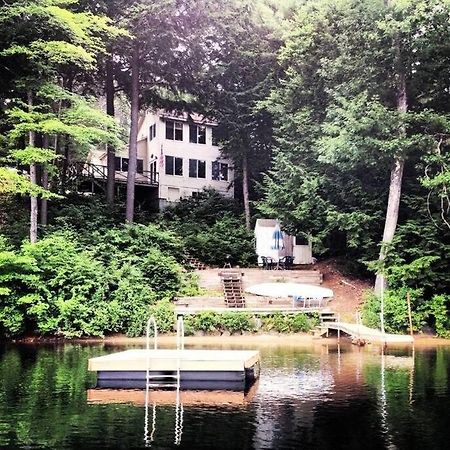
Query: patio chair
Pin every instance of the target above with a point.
(268, 263)
(286, 262)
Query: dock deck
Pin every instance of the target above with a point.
(199, 369)
(357, 331)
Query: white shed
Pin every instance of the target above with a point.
(265, 230)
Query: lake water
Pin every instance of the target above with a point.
(320, 397)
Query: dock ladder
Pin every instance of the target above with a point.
(163, 380)
(175, 378)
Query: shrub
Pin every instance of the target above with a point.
(163, 312)
(396, 319)
(236, 321)
(290, 323)
(135, 241)
(227, 236)
(436, 311)
(206, 321)
(18, 276)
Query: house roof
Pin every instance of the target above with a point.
(269, 223)
(187, 117)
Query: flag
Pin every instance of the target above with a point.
(161, 159)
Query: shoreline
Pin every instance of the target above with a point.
(263, 339)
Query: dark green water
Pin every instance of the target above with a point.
(318, 398)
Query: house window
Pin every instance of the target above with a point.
(215, 137)
(152, 132)
(219, 171)
(140, 166)
(121, 164)
(174, 130)
(174, 166)
(197, 168)
(197, 134)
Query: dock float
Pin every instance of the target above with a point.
(198, 369)
(358, 331)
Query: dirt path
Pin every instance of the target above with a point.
(348, 291)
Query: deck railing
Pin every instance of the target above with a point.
(80, 169)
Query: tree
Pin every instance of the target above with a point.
(72, 40)
(241, 77)
(345, 136)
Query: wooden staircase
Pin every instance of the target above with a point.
(192, 263)
(232, 289)
(326, 316)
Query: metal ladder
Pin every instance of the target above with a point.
(174, 378)
(148, 439)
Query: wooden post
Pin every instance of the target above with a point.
(339, 330)
(408, 301)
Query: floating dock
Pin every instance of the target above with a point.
(198, 369)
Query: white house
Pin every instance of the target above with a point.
(267, 245)
(177, 157)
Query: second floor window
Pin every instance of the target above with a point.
(219, 171)
(197, 134)
(152, 132)
(197, 168)
(174, 166)
(174, 130)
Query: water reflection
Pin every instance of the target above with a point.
(322, 397)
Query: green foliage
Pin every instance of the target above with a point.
(65, 286)
(163, 312)
(18, 276)
(436, 311)
(211, 229)
(289, 323)
(206, 321)
(396, 319)
(236, 321)
(226, 237)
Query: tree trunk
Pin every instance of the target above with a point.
(132, 149)
(65, 164)
(33, 180)
(44, 201)
(395, 186)
(111, 152)
(245, 190)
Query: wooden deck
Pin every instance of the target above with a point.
(356, 331)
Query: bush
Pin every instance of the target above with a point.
(18, 276)
(59, 286)
(236, 321)
(212, 228)
(396, 319)
(290, 323)
(437, 314)
(206, 321)
(163, 312)
(227, 236)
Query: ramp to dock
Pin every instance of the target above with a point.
(357, 331)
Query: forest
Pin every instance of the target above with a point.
(335, 113)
